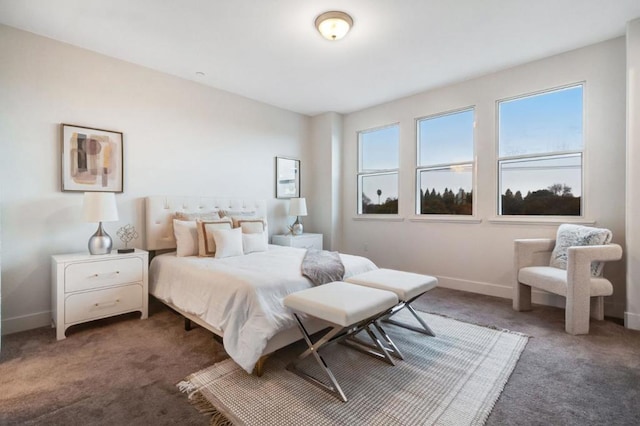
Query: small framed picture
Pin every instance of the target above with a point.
(92, 159)
(287, 178)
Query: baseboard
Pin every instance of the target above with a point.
(539, 297)
(26, 322)
(478, 287)
(499, 290)
(632, 320)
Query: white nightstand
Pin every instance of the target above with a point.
(87, 287)
(300, 241)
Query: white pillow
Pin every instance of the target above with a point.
(253, 243)
(228, 242)
(254, 226)
(186, 235)
(206, 243)
(569, 235)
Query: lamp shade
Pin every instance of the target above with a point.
(100, 207)
(298, 207)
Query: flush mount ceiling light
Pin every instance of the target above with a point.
(334, 25)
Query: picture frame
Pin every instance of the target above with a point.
(287, 177)
(92, 159)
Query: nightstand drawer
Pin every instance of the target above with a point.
(102, 303)
(103, 273)
(307, 243)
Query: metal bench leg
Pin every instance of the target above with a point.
(376, 350)
(313, 349)
(425, 328)
(393, 349)
(338, 334)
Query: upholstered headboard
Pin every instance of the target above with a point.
(160, 210)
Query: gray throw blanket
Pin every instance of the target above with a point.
(322, 266)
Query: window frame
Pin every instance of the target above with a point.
(542, 218)
(440, 166)
(377, 172)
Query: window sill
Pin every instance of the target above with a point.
(531, 220)
(446, 219)
(381, 217)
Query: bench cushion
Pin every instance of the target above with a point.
(341, 303)
(406, 285)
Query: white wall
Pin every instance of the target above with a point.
(179, 138)
(632, 314)
(475, 256)
(325, 152)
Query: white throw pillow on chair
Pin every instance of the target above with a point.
(578, 235)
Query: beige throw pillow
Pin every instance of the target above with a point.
(237, 219)
(205, 228)
(236, 215)
(250, 226)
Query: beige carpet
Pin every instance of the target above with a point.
(454, 378)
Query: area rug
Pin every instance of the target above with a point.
(454, 378)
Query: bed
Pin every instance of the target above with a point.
(238, 298)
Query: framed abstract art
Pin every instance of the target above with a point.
(92, 159)
(287, 178)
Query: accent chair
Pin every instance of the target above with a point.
(570, 266)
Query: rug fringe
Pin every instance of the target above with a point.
(187, 387)
(205, 407)
(492, 327)
(219, 420)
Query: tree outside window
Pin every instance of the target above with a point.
(445, 166)
(378, 170)
(541, 153)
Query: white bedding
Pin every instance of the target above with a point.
(242, 295)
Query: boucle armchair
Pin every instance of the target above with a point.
(576, 283)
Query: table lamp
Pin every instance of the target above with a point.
(100, 207)
(297, 208)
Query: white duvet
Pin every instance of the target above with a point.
(241, 296)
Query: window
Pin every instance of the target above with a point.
(541, 153)
(378, 170)
(445, 163)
